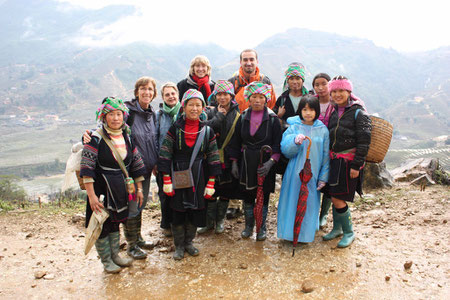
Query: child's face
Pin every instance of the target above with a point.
(321, 87)
(308, 115)
(340, 97)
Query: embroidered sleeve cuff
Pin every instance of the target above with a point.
(139, 179)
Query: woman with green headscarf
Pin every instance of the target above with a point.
(102, 175)
(164, 119)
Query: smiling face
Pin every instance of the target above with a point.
(114, 119)
(249, 62)
(193, 108)
(223, 99)
(145, 95)
(340, 97)
(170, 96)
(257, 102)
(308, 115)
(200, 70)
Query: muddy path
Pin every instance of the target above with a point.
(392, 226)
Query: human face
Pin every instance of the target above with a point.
(295, 83)
(170, 96)
(257, 102)
(193, 109)
(340, 97)
(145, 95)
(200, 70)
(114, 119)
(249, 62)
(308, 115)
(321, 87)
(223, 99)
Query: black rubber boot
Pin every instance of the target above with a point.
(262, 234)
(189, 236)
(249, 221)
(178, 232)
(222, 206)
(211, 210)
(131, 234)
(140, 241)
(325, 207)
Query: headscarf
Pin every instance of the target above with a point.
(345, 84)
(191, 94)
(294, 69)
(110, 104)
(257, 87)
(224, 86)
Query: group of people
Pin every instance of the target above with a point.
(210, 144)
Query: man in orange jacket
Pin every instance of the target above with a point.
(248, 73)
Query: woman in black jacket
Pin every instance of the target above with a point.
(350, 132)
(222, 117)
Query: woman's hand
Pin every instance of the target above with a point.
(281, 111)
(87, 137)
(96, 205)
(140, 197)
(155, 171)
(221, 109)
(354, 173)
(320, 185)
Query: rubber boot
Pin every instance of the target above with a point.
(262, 234)
(104, 251)
(222, 206)
(337, 227)
(347, 227)
(131, 234)
(189, 236)
(249, 221)
(140, 241)
(326, 203)
(210, 216)
(114, 242)
(178, 232)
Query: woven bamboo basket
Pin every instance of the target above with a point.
(381, 139)
(80, 181)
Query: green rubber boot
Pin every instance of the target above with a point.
(210, 216)
(178, 240)
(131, 234)
(104, 251)
(347, 227)
(222, 206)
(325, 207)
(249, 221)
(114, 242)
(337, 227)
(189, 236)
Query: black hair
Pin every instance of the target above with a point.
(340, 77)
(321, 75)
(312, 102)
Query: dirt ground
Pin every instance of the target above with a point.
(393, 227)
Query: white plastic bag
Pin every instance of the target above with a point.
(72, 165)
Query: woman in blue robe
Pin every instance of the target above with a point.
(294, 146)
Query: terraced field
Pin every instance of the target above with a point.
(395, 157)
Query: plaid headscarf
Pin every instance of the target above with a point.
(191, 94)
(257, 87)
(110, 104)
(224, 86)
(294, 69)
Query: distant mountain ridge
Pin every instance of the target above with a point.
(41, 69)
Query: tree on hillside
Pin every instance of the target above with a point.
(9, 189)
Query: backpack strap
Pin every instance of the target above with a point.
(228, 138)
(356, 112)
